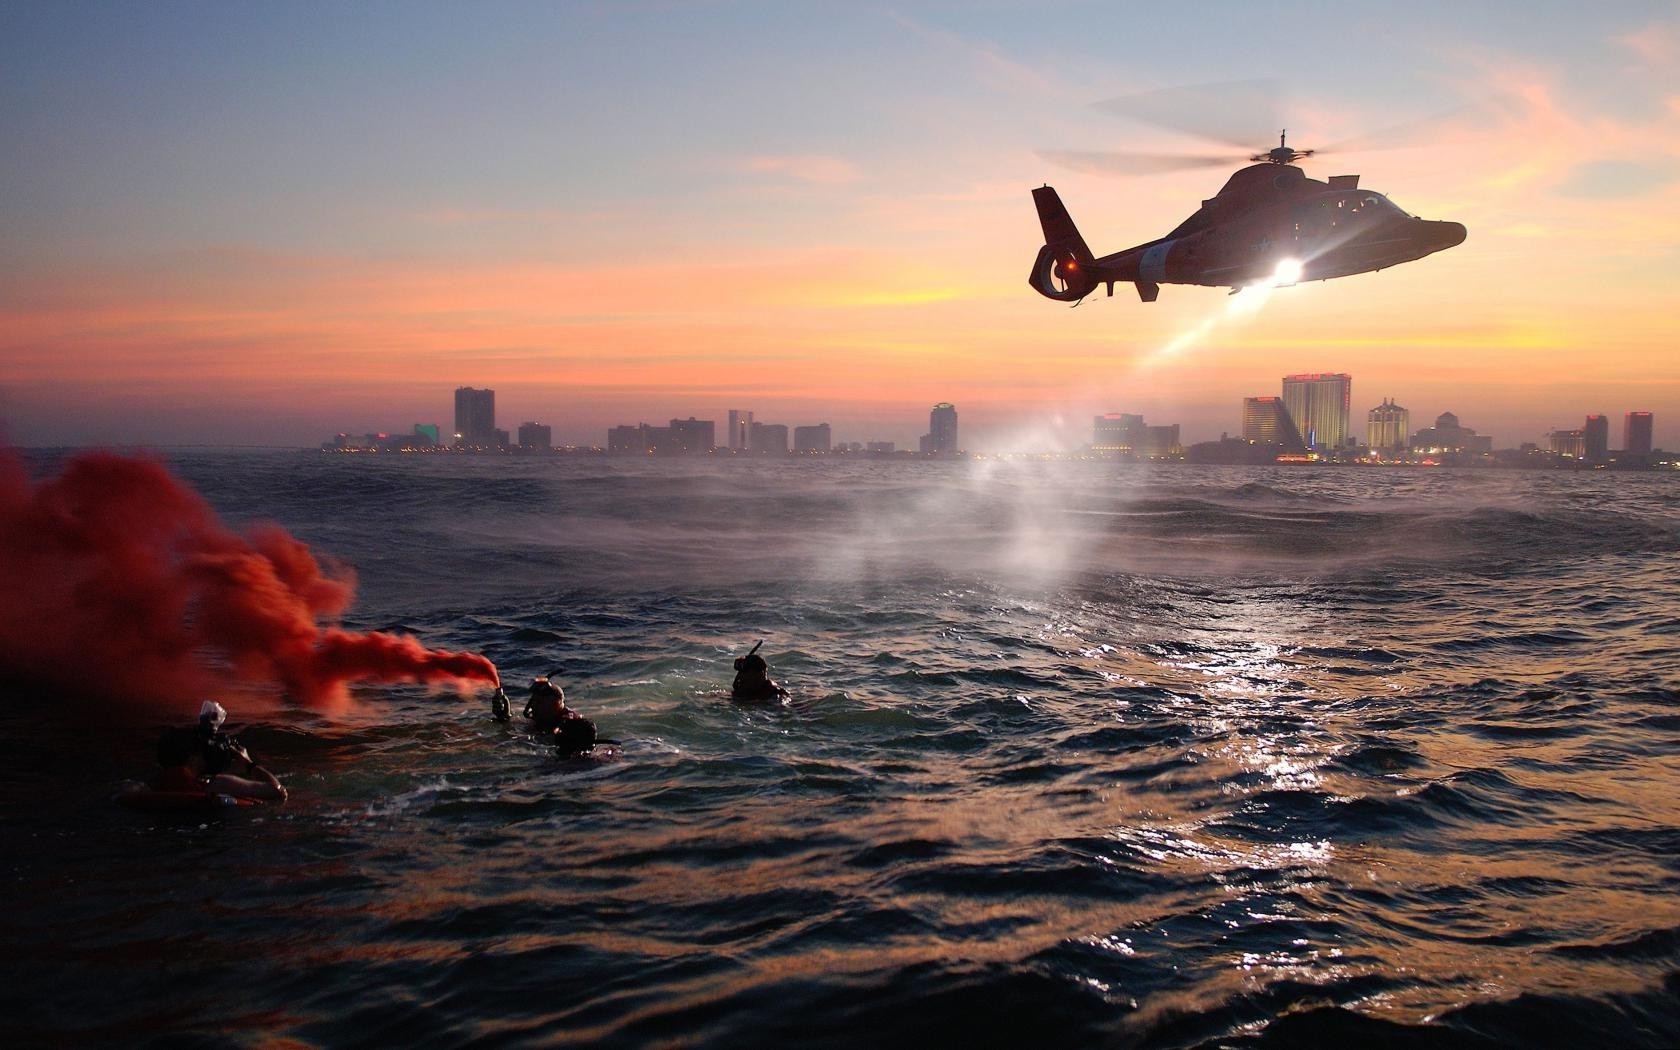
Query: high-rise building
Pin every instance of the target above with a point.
(627, 440)
(768, 438)
(1636, 434)
(1116, 432)
(812, 439)
(475, 416)
(1266, 421)
(942, 429)
(693, 435)
(1160, 442)
(740, 429)
(1388, 428)
(1123, 433)
(536, 436)
(1318, 404)
(1596, 439)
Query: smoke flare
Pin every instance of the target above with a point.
(119, 582)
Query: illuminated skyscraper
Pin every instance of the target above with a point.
(1318, 404)
(1388, 428)
(1596, 439)
(475, 416)
(1636, 434)
(942, 429)
(1266, 422)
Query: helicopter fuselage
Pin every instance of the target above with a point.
(1269, 224)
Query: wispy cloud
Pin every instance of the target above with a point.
(991, 60)
(1657, 44)
(1618, 180)
(815, 168)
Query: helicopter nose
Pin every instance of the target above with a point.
(1444, 235)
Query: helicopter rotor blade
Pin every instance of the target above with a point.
(1109, 163)
(1239, 113)
(1408, 134)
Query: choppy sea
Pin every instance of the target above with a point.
(1078, 754)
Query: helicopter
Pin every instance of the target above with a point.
(1270, 224)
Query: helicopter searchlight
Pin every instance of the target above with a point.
(1288, 272)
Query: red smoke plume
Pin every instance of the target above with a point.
(116, 580)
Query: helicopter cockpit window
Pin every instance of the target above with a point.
(1375, 204)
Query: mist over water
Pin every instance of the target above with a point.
(1078, 753)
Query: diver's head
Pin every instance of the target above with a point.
(541, 687)
(751, 664)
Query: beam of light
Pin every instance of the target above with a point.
(1244, 304)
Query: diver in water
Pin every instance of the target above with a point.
(551, 719)
(752, 683)
(204, 758)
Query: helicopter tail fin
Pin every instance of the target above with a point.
(1060, 234)
(1064, 269)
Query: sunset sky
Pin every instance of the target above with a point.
(266, 223)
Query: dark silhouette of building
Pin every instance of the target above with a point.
(812, 439)
(1266, 422)
(1448, 436)
(692, 435)
(1595, 439)
(1161, 441)
(881, 446)
(536, 437)
(1636, 434)
(942, 429)
(1236, 450)
(1388, 428)
(475, 417)
(628, 440)
(768, 438)
(426, 434)
(1317, 403)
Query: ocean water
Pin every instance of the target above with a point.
(1078, 754)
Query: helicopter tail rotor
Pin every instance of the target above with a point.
(1064, 268)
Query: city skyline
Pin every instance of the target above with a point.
(1262, 420)
(178, 271)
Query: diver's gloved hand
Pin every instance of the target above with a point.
(500, 709)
